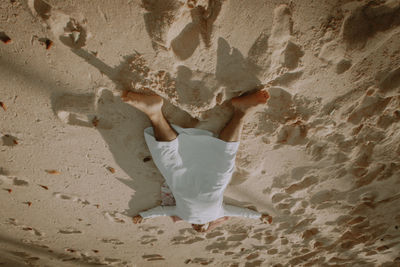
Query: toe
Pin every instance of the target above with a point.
(265, 94)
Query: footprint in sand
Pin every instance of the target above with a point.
(12, 221)
(75, 34)
(113, 241)
(34, 243)
(221, 245)
(201, 261)
(278, 197)
(9, 140)
(29, 229)
(173, 25)
(258, 53)
(214, 234)
(40, 8)
(83, 109)
(238, 237)
(276, 53)
(263, 235)
(293, 134)
(153, 257)
(284, 53)
(28, 258)
(176, 240)
(73, 198)
(158, 18)
(187, 236)
(69, 230)
(32, 230)
(198, 24)
(10, 180)
(149, 229)
(303, 184)
(147, 239)
(114, 216)
(70, 31)
(333, 52)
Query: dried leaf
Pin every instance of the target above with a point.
(45, 187)
(53, 172)
(49, 44)
(148, 158)
(95, 121)
(3, 106)
(4, 38)
(111, 169)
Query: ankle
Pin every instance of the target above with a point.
(155, 116)
(239, 114)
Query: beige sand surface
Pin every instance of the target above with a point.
(323, 156)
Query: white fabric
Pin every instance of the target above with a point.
(197, 168)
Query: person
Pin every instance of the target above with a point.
(196, 165)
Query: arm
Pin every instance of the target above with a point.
(154, 212)
(230, 210)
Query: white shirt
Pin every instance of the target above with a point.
(197, 168)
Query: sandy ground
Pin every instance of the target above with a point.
(322, 156)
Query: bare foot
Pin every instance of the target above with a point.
(247, 103)
(149, 104)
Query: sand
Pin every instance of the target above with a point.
(322, 156)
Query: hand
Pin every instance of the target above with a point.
(266, 218)
(137, 219)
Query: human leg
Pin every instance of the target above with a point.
(233, 129)
(243, 107)
(151, 106)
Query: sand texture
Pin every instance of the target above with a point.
(322, 156)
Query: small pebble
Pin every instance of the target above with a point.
(4, 38)
(3, 106)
